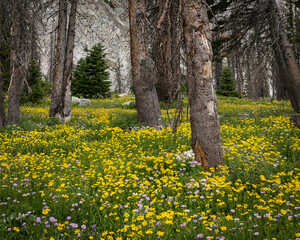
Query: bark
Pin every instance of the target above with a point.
(143, 68)
(61, 102)
(17, 66)
(67, 101)
(217, 72)
(279, 89)
(285, 58)
(2, 112)
(167, 50)
(206, 137)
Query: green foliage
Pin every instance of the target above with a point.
(109, 3)
(90, 78)
(40, 88)
(227, 87)
(125, 120)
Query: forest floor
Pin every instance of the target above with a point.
(105, 176)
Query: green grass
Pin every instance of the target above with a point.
(103, 175)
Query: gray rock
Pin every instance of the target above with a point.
(84, 102)
(81, 102)
(127, 103)
(97, 22)
(75, 100)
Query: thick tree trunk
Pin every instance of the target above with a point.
(167, 50)
(285, 58)
(2, 112)
(56, 106)
(143, 68)
(61, 101)
(206, 137)
(67, 101)
(17, 67)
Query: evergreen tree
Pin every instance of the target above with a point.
(90, 78)
(227, 87)
(39, 89)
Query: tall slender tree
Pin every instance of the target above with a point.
(18, 57)
(61, 101)
(143, 66)
(206, 137)
(285, 57)
(2, 112)
(4, 54)
(167, 48)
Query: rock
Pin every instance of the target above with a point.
(84, 102)
(127, 103)
(75, 100)
(123, 95)
(97, 22)
(81, 102)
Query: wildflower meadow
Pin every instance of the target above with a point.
(105, 176)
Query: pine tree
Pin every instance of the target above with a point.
(227, 87)
(90, 78)
(39, 89)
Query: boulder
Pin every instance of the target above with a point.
(123, 95)
(127, 103)
(81, 102)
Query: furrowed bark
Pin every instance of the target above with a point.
(206, 137)
(143, 68)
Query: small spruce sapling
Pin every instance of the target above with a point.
(90, 79)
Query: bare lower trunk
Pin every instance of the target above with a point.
(285, 58)
(67, 101)
(56, 106)
(2, 112)
(167, 50)
(218, 67)
(17, 66)
(143, 73)
(61, 101)
(206, 137)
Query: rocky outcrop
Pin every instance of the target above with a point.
(97, 22)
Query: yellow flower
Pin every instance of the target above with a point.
(160, 233)
(223, 228)
(283, 211)
(46, 211)
(149, 231)
(16, 229)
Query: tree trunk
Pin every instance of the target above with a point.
(61, 101)
(167, 50)
(17, 67)
(217, 72)
(285, 58)
(2, 112)
(206, 137)
(67, 101)
(143, 70)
